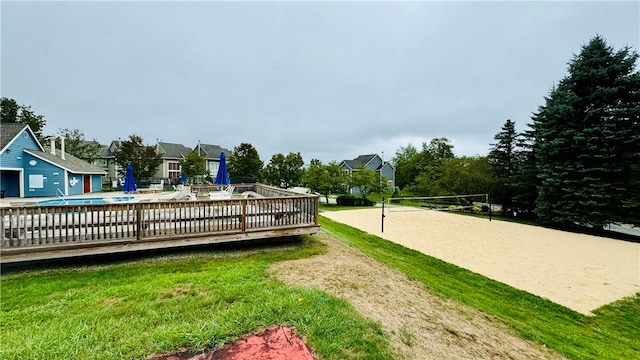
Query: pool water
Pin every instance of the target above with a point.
(83, 201)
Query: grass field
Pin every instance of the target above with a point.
(133, 309)
(130, 309)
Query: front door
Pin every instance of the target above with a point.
(87, 183)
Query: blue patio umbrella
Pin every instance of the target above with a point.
(222, 178)
(183, 178)
(129, 185)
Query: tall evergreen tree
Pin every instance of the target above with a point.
(525, 180)
(502, 158)
(588, 141)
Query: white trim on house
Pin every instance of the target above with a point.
(61, 166)
(18, 134)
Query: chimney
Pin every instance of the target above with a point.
(62, 148)
(53, 145)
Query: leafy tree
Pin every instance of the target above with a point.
(284, 171)
(429, 162)
(438, 149)
(194, 165)
(587, 141)
(367, 181)
(324, 179)
(466, 175)
(502, 159)
(245, 161)
(405, 162)
(143, 158)
(11, 112)
(76, 145)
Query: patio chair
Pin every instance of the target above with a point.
(222, 194)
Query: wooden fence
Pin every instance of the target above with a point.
(70, 230)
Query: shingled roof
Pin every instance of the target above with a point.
(212, 151)
(9, 131)
(361, 160)
(69, 163)
(172, 151)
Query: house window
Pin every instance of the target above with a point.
(174, 170)
(213, 168)
(36, 181)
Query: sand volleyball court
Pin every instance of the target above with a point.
(581, 272)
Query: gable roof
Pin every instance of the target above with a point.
(105, 152)
(9, 131)
(175, 151)
(69, 163)
(211, 151)
(361, 160)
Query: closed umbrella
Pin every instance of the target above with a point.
(183, 178)
(222, 178)
(129, 185)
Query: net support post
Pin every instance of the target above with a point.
(382, 230)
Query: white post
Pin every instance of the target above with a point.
(62, 148)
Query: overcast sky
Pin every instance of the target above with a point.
(331, 80)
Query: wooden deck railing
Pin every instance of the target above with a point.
(30, 228)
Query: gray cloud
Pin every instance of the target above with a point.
(331, 80)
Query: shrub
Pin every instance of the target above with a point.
(347, 200)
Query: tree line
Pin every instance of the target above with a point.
(578, 161)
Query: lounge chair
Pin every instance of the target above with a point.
(222, 194)
(182, 194)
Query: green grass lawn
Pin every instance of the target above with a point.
(613, 333)
(133, 309)
(130, 309)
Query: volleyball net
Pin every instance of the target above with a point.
(468, 203)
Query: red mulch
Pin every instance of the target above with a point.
(274, 343)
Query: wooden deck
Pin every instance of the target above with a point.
(37, 233)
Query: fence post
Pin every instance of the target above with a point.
(244, 215)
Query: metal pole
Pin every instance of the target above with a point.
(490, 208)
(383, 214)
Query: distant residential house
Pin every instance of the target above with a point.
(212, 155)
(172, 154)
(107, 160)
(373, 162)
(27, 169)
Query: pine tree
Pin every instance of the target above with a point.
(502, 159)
(525, 178)
(587, 141)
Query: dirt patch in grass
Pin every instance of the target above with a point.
(274, 343)
(422, 325)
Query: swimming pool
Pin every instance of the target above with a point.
(84, 201)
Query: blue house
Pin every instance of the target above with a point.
(373, 162)
(28, 170)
